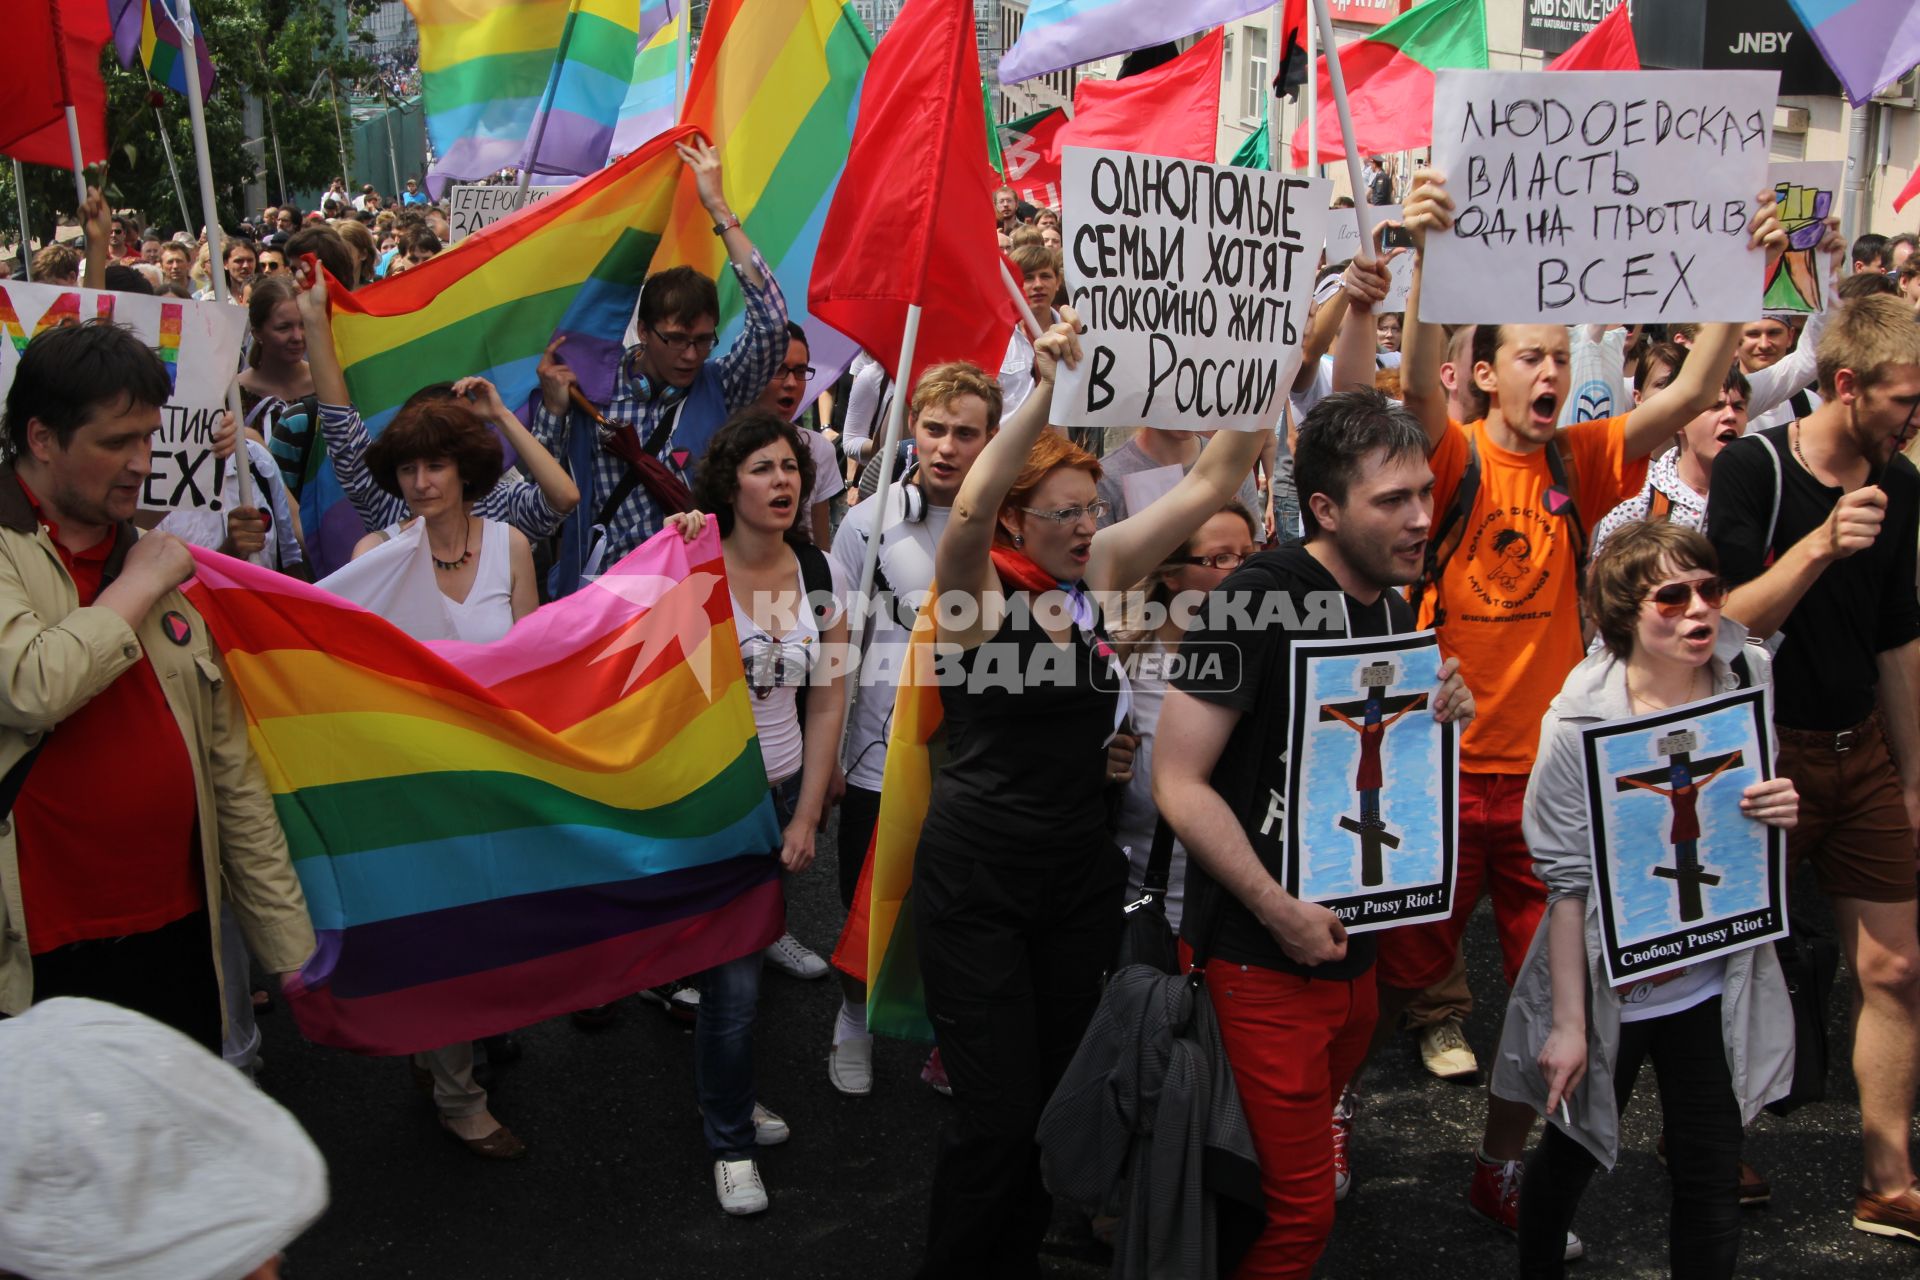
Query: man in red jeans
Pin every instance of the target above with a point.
(1294, 994)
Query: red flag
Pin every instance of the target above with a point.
(1025, 146)
(1907, 192)
(1608, 47)
(1172, 110)
(33, 125)
(914, 196)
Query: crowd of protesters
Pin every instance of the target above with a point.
(1750, 482)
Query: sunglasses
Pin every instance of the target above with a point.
(1673, 598)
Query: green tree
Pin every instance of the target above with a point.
(277, 50)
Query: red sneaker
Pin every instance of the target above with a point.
(1895, 1215)
(1495, 1196)
(1342, 1135)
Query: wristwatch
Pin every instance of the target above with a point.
(721, 228)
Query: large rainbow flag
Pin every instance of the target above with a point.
(491, 68)
(571, 264)
(489, 835)
(776, 87)
(146, 31)
(878, 945)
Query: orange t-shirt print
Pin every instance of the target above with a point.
(1510, 589)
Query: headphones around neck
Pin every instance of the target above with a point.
(913, 498)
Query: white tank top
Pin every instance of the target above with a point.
(487, 612)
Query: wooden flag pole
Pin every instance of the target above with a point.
(1338, 79)
(197, 112)
(26, 233)
(890, 444)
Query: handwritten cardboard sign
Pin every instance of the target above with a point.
(474, 206)
(1588, 197)
(198, 342)
(1193, 281)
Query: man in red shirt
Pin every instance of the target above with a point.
(132, 800)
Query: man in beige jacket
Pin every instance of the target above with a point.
(130, 801)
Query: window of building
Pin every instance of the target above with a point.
(1254, 90)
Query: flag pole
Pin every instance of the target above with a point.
(166, 146)
(339, 135)
(1313, 96)
(682, 47)
(26, 233)
(197, 113)
(890, 444)
(547, 95)
(1274, 56)
(72, 116)
(1027, 321)
(1338, 79)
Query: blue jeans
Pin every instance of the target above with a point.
(723, 1034)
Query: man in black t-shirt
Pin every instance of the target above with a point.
(1816, 522)
(1294, 994)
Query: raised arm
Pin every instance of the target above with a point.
(1321, 332)
(963, 562)
(746, 367)
(541, 467)
(1364, 286)
(98, 221)
(1124, 553)
(1696, 386)
(329, 382)
(1423, 346)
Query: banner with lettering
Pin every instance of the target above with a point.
(474, 206)
(1588, 197)
(199, 342)
(1193, 281)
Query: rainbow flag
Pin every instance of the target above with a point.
(490, 835)
(658, 73)
(1868, 43)
(878, 945)
(491, 68)
(776, 86)
(571, 264)
(146, 30)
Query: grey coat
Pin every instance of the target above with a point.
(1756, 1017)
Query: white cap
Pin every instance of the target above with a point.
(127, 1150)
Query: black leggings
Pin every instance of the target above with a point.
(1702, 1126)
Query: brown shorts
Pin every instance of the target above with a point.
(1853, 819)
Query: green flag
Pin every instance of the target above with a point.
(993, 130)
(1254, 153)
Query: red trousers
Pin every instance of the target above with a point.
(1294, 1043)
(1494, 859)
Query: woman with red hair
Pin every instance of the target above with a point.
(1017, 884)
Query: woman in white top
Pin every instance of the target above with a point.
(439, 457)
(755, 480)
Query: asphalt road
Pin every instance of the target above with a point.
(618, 1182)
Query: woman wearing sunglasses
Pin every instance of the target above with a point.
(1720, 1032)
(1017, 887)
(1216, 549)
(754, 480)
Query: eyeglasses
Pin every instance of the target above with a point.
(701, 342)
(1070, 515)
(1673, 598)
(804, 372)
(1218, 560)
(270, 265)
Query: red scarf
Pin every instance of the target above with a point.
(1018, 569)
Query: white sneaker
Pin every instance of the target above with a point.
(850, 1066)
(769, 1130)
(737, 1184)
(1444, 1051)
(791, 957)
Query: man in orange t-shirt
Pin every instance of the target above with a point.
(1507, 605)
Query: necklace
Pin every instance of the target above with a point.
(1633, 697)
(1793, 437)
(466, 552)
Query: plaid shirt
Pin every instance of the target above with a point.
(743, 372)
(519, 503)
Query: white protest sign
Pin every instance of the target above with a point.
(198, 342)
(1343, 242)
(1805, 192)
(1598, 196)
(1193, 281)
(474, 206)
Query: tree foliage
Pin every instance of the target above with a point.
(285, 52)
